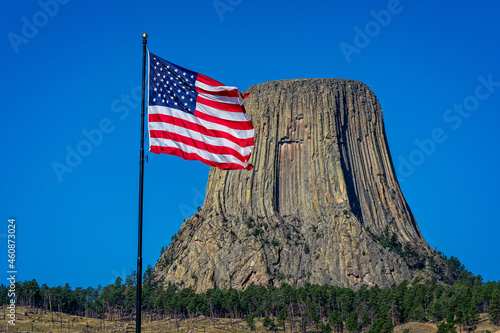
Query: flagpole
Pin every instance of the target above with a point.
(141, 183)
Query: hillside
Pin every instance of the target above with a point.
(38, 320)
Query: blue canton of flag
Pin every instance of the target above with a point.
(171, 85)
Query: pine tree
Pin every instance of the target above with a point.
(352, 322)
(449, 326)
(250, 322)
(387, 326)
(494, 308)
(445, 327)
(382, 325)
(450, 318)
(273, 327)
(280, 322)
(473, 317)
(365, 321)
(325, 328)
(335, 320)
(436, 311)
(267, 322)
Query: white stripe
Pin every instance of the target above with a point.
(222, 99)
(192, 150)
(208, 87)
(241, 134)
(214, 141)
(226, 115)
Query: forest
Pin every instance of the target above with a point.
(320, 308)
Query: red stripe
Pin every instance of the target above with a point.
(201, 129)
(227, 93)
(237, 125)
(219, 105)
(191, 157)
(218, 150)
(205, 79)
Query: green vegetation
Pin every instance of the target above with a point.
(308, 308)
(448, 270)
(447, 326)
(387, 240)
(251, 322)
(494, 308)
(256, 232)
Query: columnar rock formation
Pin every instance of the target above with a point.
(318, 206)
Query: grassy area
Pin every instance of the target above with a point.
(36, 320)
(414, 327)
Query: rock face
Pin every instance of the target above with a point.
(322, 204)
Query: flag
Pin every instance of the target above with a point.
(197, 118)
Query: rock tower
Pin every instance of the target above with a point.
(322, 204)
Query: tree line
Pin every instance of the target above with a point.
(322, 308)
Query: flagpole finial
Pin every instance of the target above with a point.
(144, 36)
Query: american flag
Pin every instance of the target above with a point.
(197, 118)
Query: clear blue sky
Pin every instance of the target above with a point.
(73, 70)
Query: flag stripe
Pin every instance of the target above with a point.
(218, 158)
(202, 145)
(221, 114)
(205, 79)
(232, 124)
(211, 88)
(195, 157)
(228, 93)
(158, 122)
(236, 100)
(236, 129)
(229, 107)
